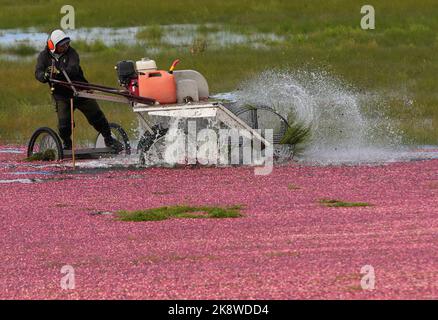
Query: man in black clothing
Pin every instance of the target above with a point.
(57, 56)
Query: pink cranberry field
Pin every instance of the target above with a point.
(288, 243)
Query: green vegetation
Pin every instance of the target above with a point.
(339, 203)
(179, 212)
(397, 61)
(297, 134)
(47, 155)
(152, 34)
(20, 50)
(268, 16)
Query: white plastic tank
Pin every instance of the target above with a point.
(145, 65)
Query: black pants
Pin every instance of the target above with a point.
(89, 108)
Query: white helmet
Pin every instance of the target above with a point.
(55, 38)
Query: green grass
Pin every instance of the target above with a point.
(152, 34)
(180, 212)
(20, 50)
(397, 60)
(47, 155)
(270, 16)
(342, 204)
(88, 47)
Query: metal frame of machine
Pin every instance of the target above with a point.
(145, 107)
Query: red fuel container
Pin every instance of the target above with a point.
(159, 85)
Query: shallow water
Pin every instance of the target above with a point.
(176, 35)
(25, 181)
(48, 173)
(17, 58)
(37, 39)
(16, 151)
(116, 162)
(369, 155)
(366, 156)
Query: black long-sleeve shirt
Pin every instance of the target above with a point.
(69, 62)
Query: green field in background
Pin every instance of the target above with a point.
(397, 60)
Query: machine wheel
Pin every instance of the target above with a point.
(262, 117)
(149, 145)
(119, 134)
(45, 144)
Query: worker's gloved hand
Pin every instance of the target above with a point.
(52, 70)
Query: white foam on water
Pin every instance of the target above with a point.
(31, 172)
(14, 151)
(112, 162)
(229, 96)
(26, 181)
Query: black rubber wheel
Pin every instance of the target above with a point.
(148, 140)
(119, 134)
(264, 117)
(258, 116)
(45, 141)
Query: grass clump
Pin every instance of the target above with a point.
(297, 133)
(152, 34)
(180, 212)
(343, 204)
(199, 46)
(47, 155)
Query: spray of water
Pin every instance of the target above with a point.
(345, 126)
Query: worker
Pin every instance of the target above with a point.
(58, 55)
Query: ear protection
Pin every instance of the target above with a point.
(50, 45)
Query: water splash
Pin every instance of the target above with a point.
(345, 126)
(11, 150)
(120, 161)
